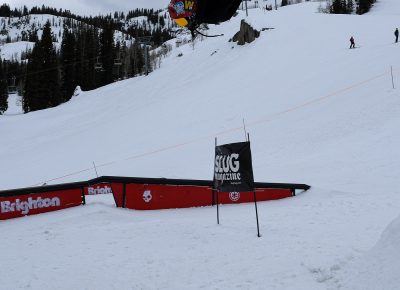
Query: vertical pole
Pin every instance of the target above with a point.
(391, 71)
(146, 60)
(83, 196)
(217, 207)
(124, 196)
(276, 6)
(255, 200)
(216, 189)
(247, 13)
(245, 131)
(95, 169)
(255, 204)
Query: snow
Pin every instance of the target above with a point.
(317, 113)
(16, 27)
(14, 105)
(92, 7)
(382, 261)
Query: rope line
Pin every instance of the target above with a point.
(224, 132)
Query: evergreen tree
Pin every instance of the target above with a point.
(337, 7)
(68, 63)
(350, 6)
(363, 6)
(107, 52)
(42, 84)
(3, 90)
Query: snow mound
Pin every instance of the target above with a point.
(379, 268)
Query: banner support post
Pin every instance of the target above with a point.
(255, 204)
(255, 200)
(217, 207)
(216, 190)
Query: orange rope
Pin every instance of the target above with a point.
(264, 120)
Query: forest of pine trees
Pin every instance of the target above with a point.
(350, 6)
(88, 56)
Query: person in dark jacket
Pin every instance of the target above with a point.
(352, 43)
(396, 33)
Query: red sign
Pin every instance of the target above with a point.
(262, 195)
(151, 197)
(23, 205)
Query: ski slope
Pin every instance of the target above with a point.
(317, 113)
(92, 7)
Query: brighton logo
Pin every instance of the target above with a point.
(234, 196)
(227, 167)
(25, 206)
(99, 190)
(147, 197)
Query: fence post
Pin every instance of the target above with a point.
(391, 71)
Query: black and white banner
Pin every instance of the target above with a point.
(233, 170)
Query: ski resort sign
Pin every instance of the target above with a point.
(24, 207)
(233, 170)
(35, 203)
(99, 189)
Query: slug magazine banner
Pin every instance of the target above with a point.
(233, 170)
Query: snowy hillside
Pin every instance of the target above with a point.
(93, 7)
(18, 29)
(317, 113)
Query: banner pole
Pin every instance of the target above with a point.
(244, 128)
(255, 199)
(255, 204)
(216, 190)
(218, 207)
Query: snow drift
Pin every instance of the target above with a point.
(317, 113)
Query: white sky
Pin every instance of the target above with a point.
(92, 7)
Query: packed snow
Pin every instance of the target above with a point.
(317, 113)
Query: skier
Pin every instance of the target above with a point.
(352, 43)
(396, 33)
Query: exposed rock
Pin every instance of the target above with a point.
(246, 34)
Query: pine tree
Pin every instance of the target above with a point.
(363, 6)
(107, 52)
(350, 6)
(42, 84)
(336, 7)
(3, 90)
(68, 63)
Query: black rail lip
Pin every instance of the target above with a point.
(42, 189)
(139, 180)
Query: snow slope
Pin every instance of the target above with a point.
(317, 113)
(92, 7)
(19, 28)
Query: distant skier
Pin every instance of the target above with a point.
(352, 43)
(396, 33)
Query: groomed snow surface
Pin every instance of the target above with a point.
(317, 113)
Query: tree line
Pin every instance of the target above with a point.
(351, 6)
(89, 55)
(156, 27)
